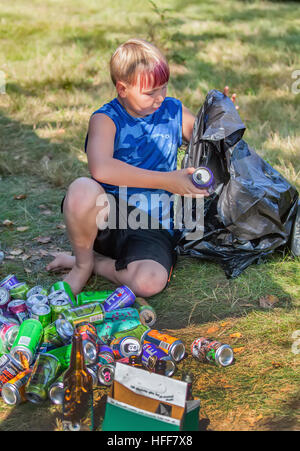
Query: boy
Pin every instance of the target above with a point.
(132, 142)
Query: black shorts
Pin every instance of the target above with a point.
(128, 245)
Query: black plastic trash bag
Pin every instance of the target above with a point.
(252, 210)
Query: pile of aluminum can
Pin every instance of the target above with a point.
(36, 329)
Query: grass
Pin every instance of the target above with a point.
(55, 59)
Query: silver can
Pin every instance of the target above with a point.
(38, 289)
(13, 392)
(36, 299)
(106, 374)
(126, 346)
(60, 294)
(4, 297)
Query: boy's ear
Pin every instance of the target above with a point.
(121, 88)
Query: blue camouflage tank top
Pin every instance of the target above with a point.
(150, 143)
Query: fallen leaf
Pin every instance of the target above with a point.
(239, 350)
(47, 212)
(226, 323)
(22, 229)
(16, 252)
(7, 222)
(20, 196)
(27, 270)
(41, 206)
(42, 239)
(61, 226)
(268, 301)
(25, 257)
(236, 335)
(43, 252)
(212, 330)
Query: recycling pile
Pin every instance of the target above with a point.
(36, 329)
(37, 326)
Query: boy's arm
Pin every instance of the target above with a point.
(106, 169)
(188, 120)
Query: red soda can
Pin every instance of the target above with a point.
(19, 309)
(207, 350)
(8, 333)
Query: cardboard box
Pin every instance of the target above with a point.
(143, 401)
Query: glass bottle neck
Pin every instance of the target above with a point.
(77, 355)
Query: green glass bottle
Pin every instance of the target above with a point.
(78, 391)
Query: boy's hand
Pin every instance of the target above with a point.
(233, 97)
(180, 182)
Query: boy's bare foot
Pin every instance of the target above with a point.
(78, 277)
(61, 261)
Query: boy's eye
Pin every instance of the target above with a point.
(151, 93)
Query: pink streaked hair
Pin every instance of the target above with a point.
(138, 61)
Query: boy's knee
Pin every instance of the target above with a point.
(148, 282)
(82, 195)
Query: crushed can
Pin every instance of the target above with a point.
(207, 350)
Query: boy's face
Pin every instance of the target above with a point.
(140, 102)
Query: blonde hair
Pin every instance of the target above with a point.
(137, 57)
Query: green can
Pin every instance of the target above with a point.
(92, 313)
(87, 297)
(62, 285)
(58, 305)
(27, 341)
(63, 355)
(45, 371)
(19, 291)
(58, 333)
(41, 312)
(137, 332)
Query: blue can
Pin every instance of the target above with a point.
(105, 349)
(151, 353)
(122, 297)
(203, 178)
(9, 282)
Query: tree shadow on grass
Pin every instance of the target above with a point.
(288, 420)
